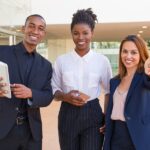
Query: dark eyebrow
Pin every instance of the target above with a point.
(130, 50)
(34, 25)
(31, 24)
(134, 49)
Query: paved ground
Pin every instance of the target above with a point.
(50, 134)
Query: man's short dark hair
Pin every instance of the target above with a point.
(34, 15)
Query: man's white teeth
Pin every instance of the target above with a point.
(81, 43)
(33, 37)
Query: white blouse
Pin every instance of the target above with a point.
(86, 74)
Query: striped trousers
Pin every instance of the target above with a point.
(79, 126)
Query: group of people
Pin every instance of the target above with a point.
(76, 79)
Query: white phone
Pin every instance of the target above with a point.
(5, 75)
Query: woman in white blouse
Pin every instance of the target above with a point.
(76, 82)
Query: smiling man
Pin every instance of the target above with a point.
(30, 78)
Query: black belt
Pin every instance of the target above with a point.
(21, 120)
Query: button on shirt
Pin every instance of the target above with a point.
(86, 74)
(28, 66)
(27, 63)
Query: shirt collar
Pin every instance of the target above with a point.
(25, 51)
(86, 57)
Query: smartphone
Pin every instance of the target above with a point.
(84, 96)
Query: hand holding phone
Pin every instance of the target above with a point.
(84, 96)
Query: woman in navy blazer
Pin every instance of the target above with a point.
(128, 111)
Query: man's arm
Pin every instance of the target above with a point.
(39, 93)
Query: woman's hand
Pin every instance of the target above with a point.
(102, 129)
(147, 67)
(73, 97)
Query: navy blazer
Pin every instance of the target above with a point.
(136, 112)
(39, 82)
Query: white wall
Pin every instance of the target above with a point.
(58, 47)
(60, 11)
(14, 12)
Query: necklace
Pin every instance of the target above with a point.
(121, 93)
